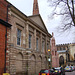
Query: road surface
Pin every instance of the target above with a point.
(70, 73)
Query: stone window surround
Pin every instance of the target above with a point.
(18, 26)
(39, 37)
(32, 45)
(21, 28)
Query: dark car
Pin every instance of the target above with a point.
(73, 68)
(59, 71)
(47, 72)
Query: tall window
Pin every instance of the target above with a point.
(36, 43)
(43, 44)
(18, 37)
(30, 36)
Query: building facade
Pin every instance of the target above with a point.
(72, 54)
(28, 42)
(4, 28)
(54, 54)
(66, 54)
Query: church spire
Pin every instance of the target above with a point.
(35, 8)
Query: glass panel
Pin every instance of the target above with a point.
(36, 43)
(18, 36)
(43, 46)
(30, 40)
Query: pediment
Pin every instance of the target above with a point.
(37, 19)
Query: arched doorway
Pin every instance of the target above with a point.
(68, 57)
(19, 58)
(61, 60)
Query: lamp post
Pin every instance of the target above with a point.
(66, 56)
(49, 58)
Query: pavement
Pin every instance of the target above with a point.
(70, 73)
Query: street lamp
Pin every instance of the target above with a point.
(49, 58)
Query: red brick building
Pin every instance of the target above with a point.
(55, 57)
(3, 9)
(3, 34)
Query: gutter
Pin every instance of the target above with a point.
(6, 37)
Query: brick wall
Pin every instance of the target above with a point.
(3, 13)
(2, 47)
(3, 9)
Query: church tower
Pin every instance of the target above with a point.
(55, 56)
(35, 8)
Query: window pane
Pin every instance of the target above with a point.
(18, 36)
(43, 46)
(36, 43)
(30, 40)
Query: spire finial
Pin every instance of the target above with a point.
(52, 34)
(35, 8)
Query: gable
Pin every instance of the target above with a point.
(37, 19)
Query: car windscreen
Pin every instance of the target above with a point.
(44, 71)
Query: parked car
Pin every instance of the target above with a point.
(68, 69)
(47, 72)
(59, 71)
(73, 68)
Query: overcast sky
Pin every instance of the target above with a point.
(26, 6)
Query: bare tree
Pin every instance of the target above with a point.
(67, 12)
